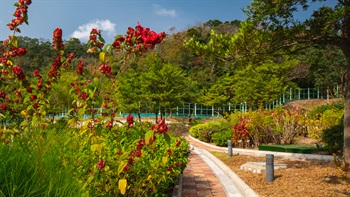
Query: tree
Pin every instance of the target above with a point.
(279, 31)
(273, 28)
(267, 85)
(152, 82)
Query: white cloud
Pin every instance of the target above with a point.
(83, 31)
(164, 12)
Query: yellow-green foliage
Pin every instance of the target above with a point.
(204, 131)
(324, 120)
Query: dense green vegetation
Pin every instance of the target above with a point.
(277, 126)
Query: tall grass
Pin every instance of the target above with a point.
(33, 166)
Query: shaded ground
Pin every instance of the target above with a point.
(301, 178)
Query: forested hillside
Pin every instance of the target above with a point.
(174, 72)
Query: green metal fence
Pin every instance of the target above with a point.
(201, 111)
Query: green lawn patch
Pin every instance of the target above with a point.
(289, 148)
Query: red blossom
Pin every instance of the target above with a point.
(70, 57)
(126, 167)
(84, 95)
(178, 142)
(161, 127)
(33, 98)
(57, 39)
(101, 164)
(105, 69)
(109, 125)
(36, 105)
(18, 72)
(130, 120)
(36, 73)
(80, 69)
(3, 106)
(40, 83)
(2, 94)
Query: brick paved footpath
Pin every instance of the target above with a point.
(198, 179)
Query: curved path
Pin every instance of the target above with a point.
(206, 176)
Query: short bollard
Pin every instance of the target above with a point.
(229, 148)
(269, 168)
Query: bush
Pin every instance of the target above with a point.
(318, 111)
(205, 131)
(333, 138)
(327, 119)
(221, 138)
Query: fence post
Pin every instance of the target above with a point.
(290, 94)
(195, 109)
(308, 93)
(299, 94)
(337, 91)
(212, 110)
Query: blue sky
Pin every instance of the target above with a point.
(78, 17)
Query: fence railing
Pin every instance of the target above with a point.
(201, 111)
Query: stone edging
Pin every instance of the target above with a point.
(258, 153)
(244, 189)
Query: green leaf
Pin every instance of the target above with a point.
(121, 166)
(14, 41)
(25, 18)
(101, 39)
(164, 161)
(88, 181)
(167, 138)
(149, 135)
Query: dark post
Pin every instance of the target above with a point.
(269, 168)
(229, 148)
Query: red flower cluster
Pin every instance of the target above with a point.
(35, 105)
(40, 83)
(139, 39)
(101, 164)
(109, 125)
(57, 39)
(80, 69)
(2, 94)
(18, 72)
(33, 98)
(94, 42)
(20, 14)
(178, 142)
(105, 69)
(3, 106)
(36, 73)
(130, 120)
(84, 95)
(56, 65)
(70, 57)
(15, 52)
(161, 127)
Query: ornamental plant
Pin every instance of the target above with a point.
(109, 156)
(240, 133)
